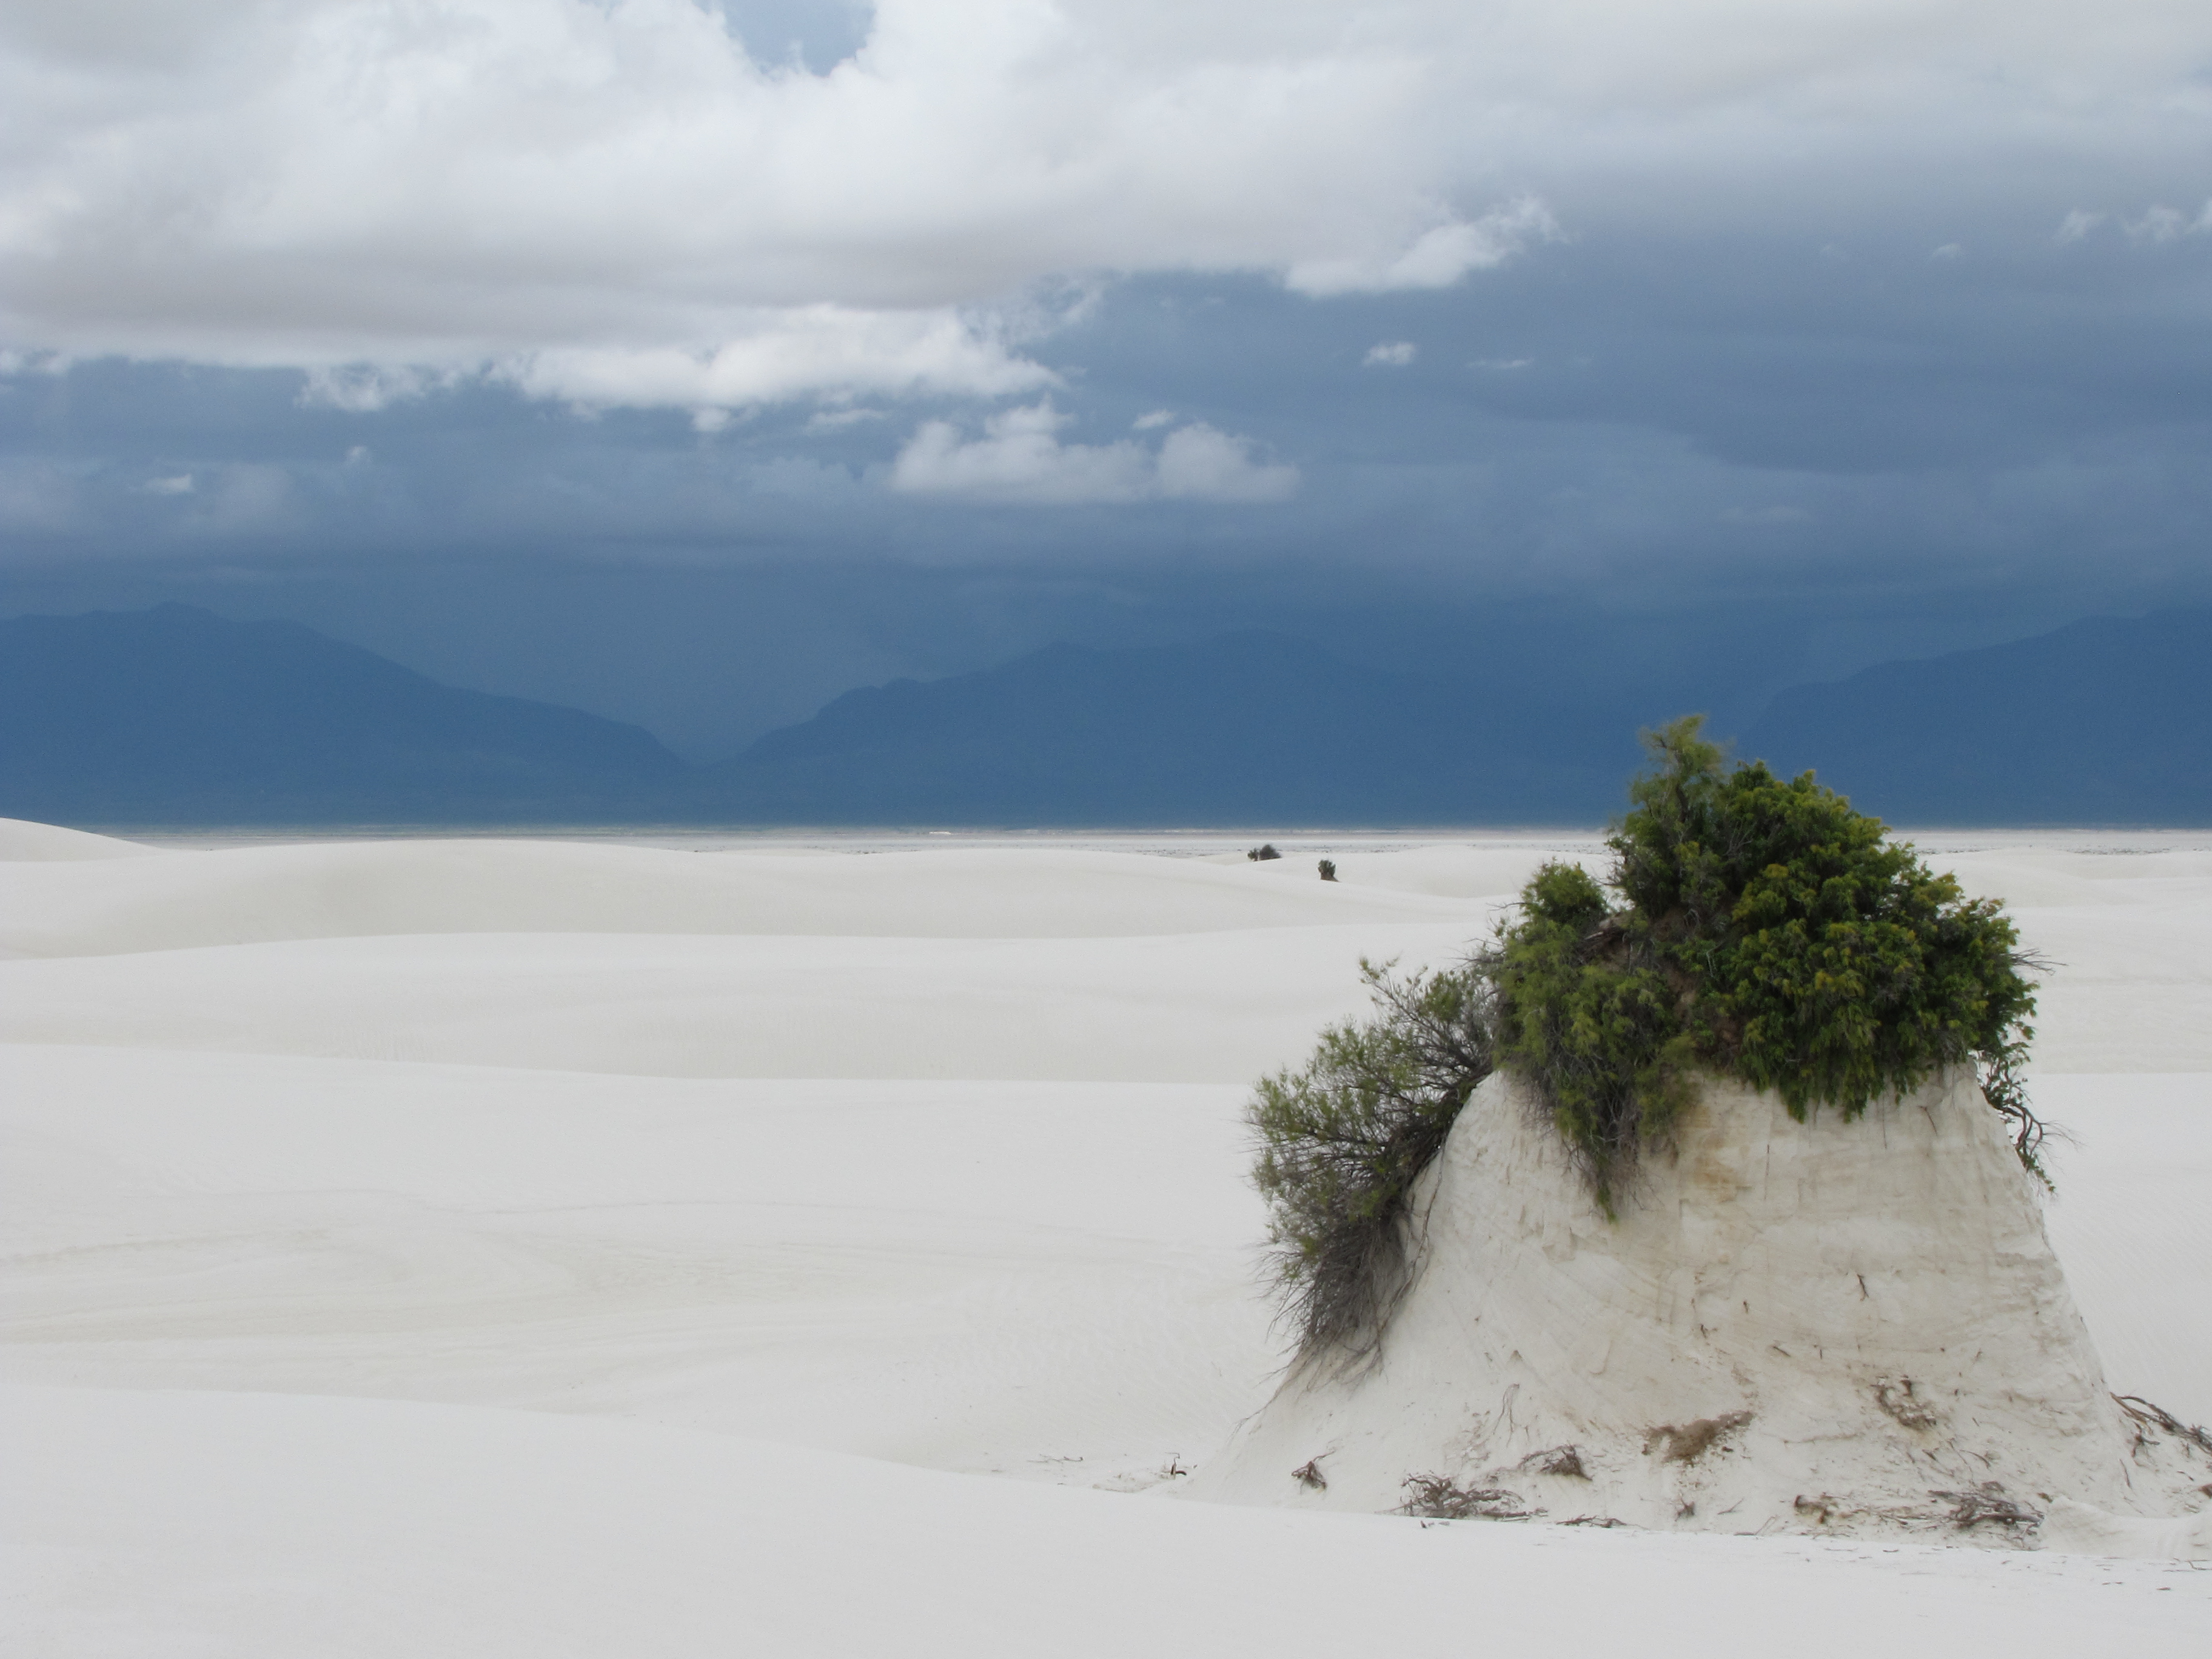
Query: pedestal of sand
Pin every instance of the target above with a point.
(1831, 1326)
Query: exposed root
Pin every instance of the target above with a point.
(1826, 1509)
(1986, 1502)
(2146, 1416)
(1999, 1069)
(1438, 1498)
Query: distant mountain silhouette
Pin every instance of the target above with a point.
(1245, 728)
(177, 715)
(2107, 721)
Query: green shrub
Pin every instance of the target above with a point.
(1765, 931)
(1589, 1010)
(1342, 1138)
(1772, 933)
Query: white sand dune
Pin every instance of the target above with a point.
(1210, 1007)
(490, 1533)
(477, 1248)
(349, 891)
(1047, 1280)
(25, 842)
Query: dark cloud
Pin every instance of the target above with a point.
(1797, 354)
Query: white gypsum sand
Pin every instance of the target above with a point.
(1847, 1326)
(515, 1248)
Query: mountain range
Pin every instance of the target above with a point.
(177, 716)
(2104, 721)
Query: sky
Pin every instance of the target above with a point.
(693, 362)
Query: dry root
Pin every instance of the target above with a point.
(1986, 1502)
(1438, 1498)
(2146, 1416)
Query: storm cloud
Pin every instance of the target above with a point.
(1885, 327)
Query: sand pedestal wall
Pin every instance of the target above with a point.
(1838, 1326)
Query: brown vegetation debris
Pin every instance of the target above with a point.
(1986, 1502)
(1438, 1498)
(1309, 1475)
(1898, 1400)
(1686, 1442)
(1562, 1460)
(2148, 1416)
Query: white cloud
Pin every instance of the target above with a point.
(179, 484)
(1201, 463)
(363, 388)
(1020, 458)
(13, 362)
(2158, 224)
(2155, 224)
(2165, 224)
(1391, 353)
(1438, 257)
(804, 351)
(611, 201)
(1502, 365)
(1949, 250)
(1156, 417)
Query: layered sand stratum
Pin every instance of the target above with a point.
(523, 1248)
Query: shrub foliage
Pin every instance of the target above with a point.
(1763, 929)
(1342, 1138)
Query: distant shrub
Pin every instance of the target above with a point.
(1328, 869)
(1262, 852)
(1767, 931)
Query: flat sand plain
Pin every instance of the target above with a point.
(486, 1247)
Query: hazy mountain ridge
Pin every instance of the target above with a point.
(177, 715)
(1239, 728)
(2106, 720)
